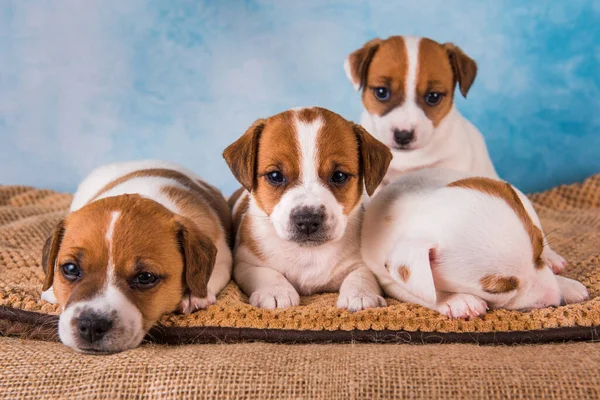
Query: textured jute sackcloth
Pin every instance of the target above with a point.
(39, 370)
(570, 215)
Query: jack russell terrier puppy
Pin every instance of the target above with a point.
(408, 87)
(298, 215)
(460, 245)
(142, 239)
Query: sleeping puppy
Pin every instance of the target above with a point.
(298, 215)
(460, 244)
(142, 239)
(408, 88)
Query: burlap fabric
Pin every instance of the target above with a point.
(37, 370)
(571, 218)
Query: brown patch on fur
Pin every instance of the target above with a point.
(242, 224)
(83, 244)
(388, 68)
(50, 252)
(146, 238)
(310, 114)
(463, 66)
(404, 273)
(278, 150)
(505, 191)
(242, 155)
(235, 197)
(496, 284)
(207, 194)
(239, 210)
(375, 158)
(360, 60)
(192, 207)
(338, 149)
(246, 238)
(434, 74)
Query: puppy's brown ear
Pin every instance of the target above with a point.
(464, 67)
(199, 255)
(357, 63)
(375, 158)
(241, 155)
(50, 252)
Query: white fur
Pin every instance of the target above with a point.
(472, 234)
(288, 269)
(109, 240)
(111, 298)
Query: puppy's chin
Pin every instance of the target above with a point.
(304, 241)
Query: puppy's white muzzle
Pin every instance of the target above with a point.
(107, 323)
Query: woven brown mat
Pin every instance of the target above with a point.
(42, 370)
(570, 215)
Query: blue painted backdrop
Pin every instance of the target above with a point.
(87, 82)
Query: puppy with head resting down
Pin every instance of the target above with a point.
(408, 85)
(142, 239)
(299, 213)
(460, 244)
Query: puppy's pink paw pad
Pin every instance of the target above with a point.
(554, 260)
(191, 303)
(462, 305)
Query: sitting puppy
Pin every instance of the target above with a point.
(408, 94)
(299, 213)
(460, 244)
(141, 240)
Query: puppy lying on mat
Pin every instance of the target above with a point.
(142, 239)
(460, 245)
(299, 213)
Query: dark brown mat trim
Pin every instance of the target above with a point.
(32, 325)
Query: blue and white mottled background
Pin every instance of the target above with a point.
(87, 82)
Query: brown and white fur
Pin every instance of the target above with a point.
(460, 244)
(398, 76)
(142, 239)
(298, 216)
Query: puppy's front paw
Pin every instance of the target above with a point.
(462, 305)
(554, 260)
(191, 303)
(278, 296)
(573, 291)
(359, 300)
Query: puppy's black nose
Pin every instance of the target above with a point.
(93, 327)
(403, 138)
(308, 220)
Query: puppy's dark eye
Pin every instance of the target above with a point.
(381, 93)
(144, 280)
(433, 98)
(338, 178)
(71, 271)
(275, 178)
